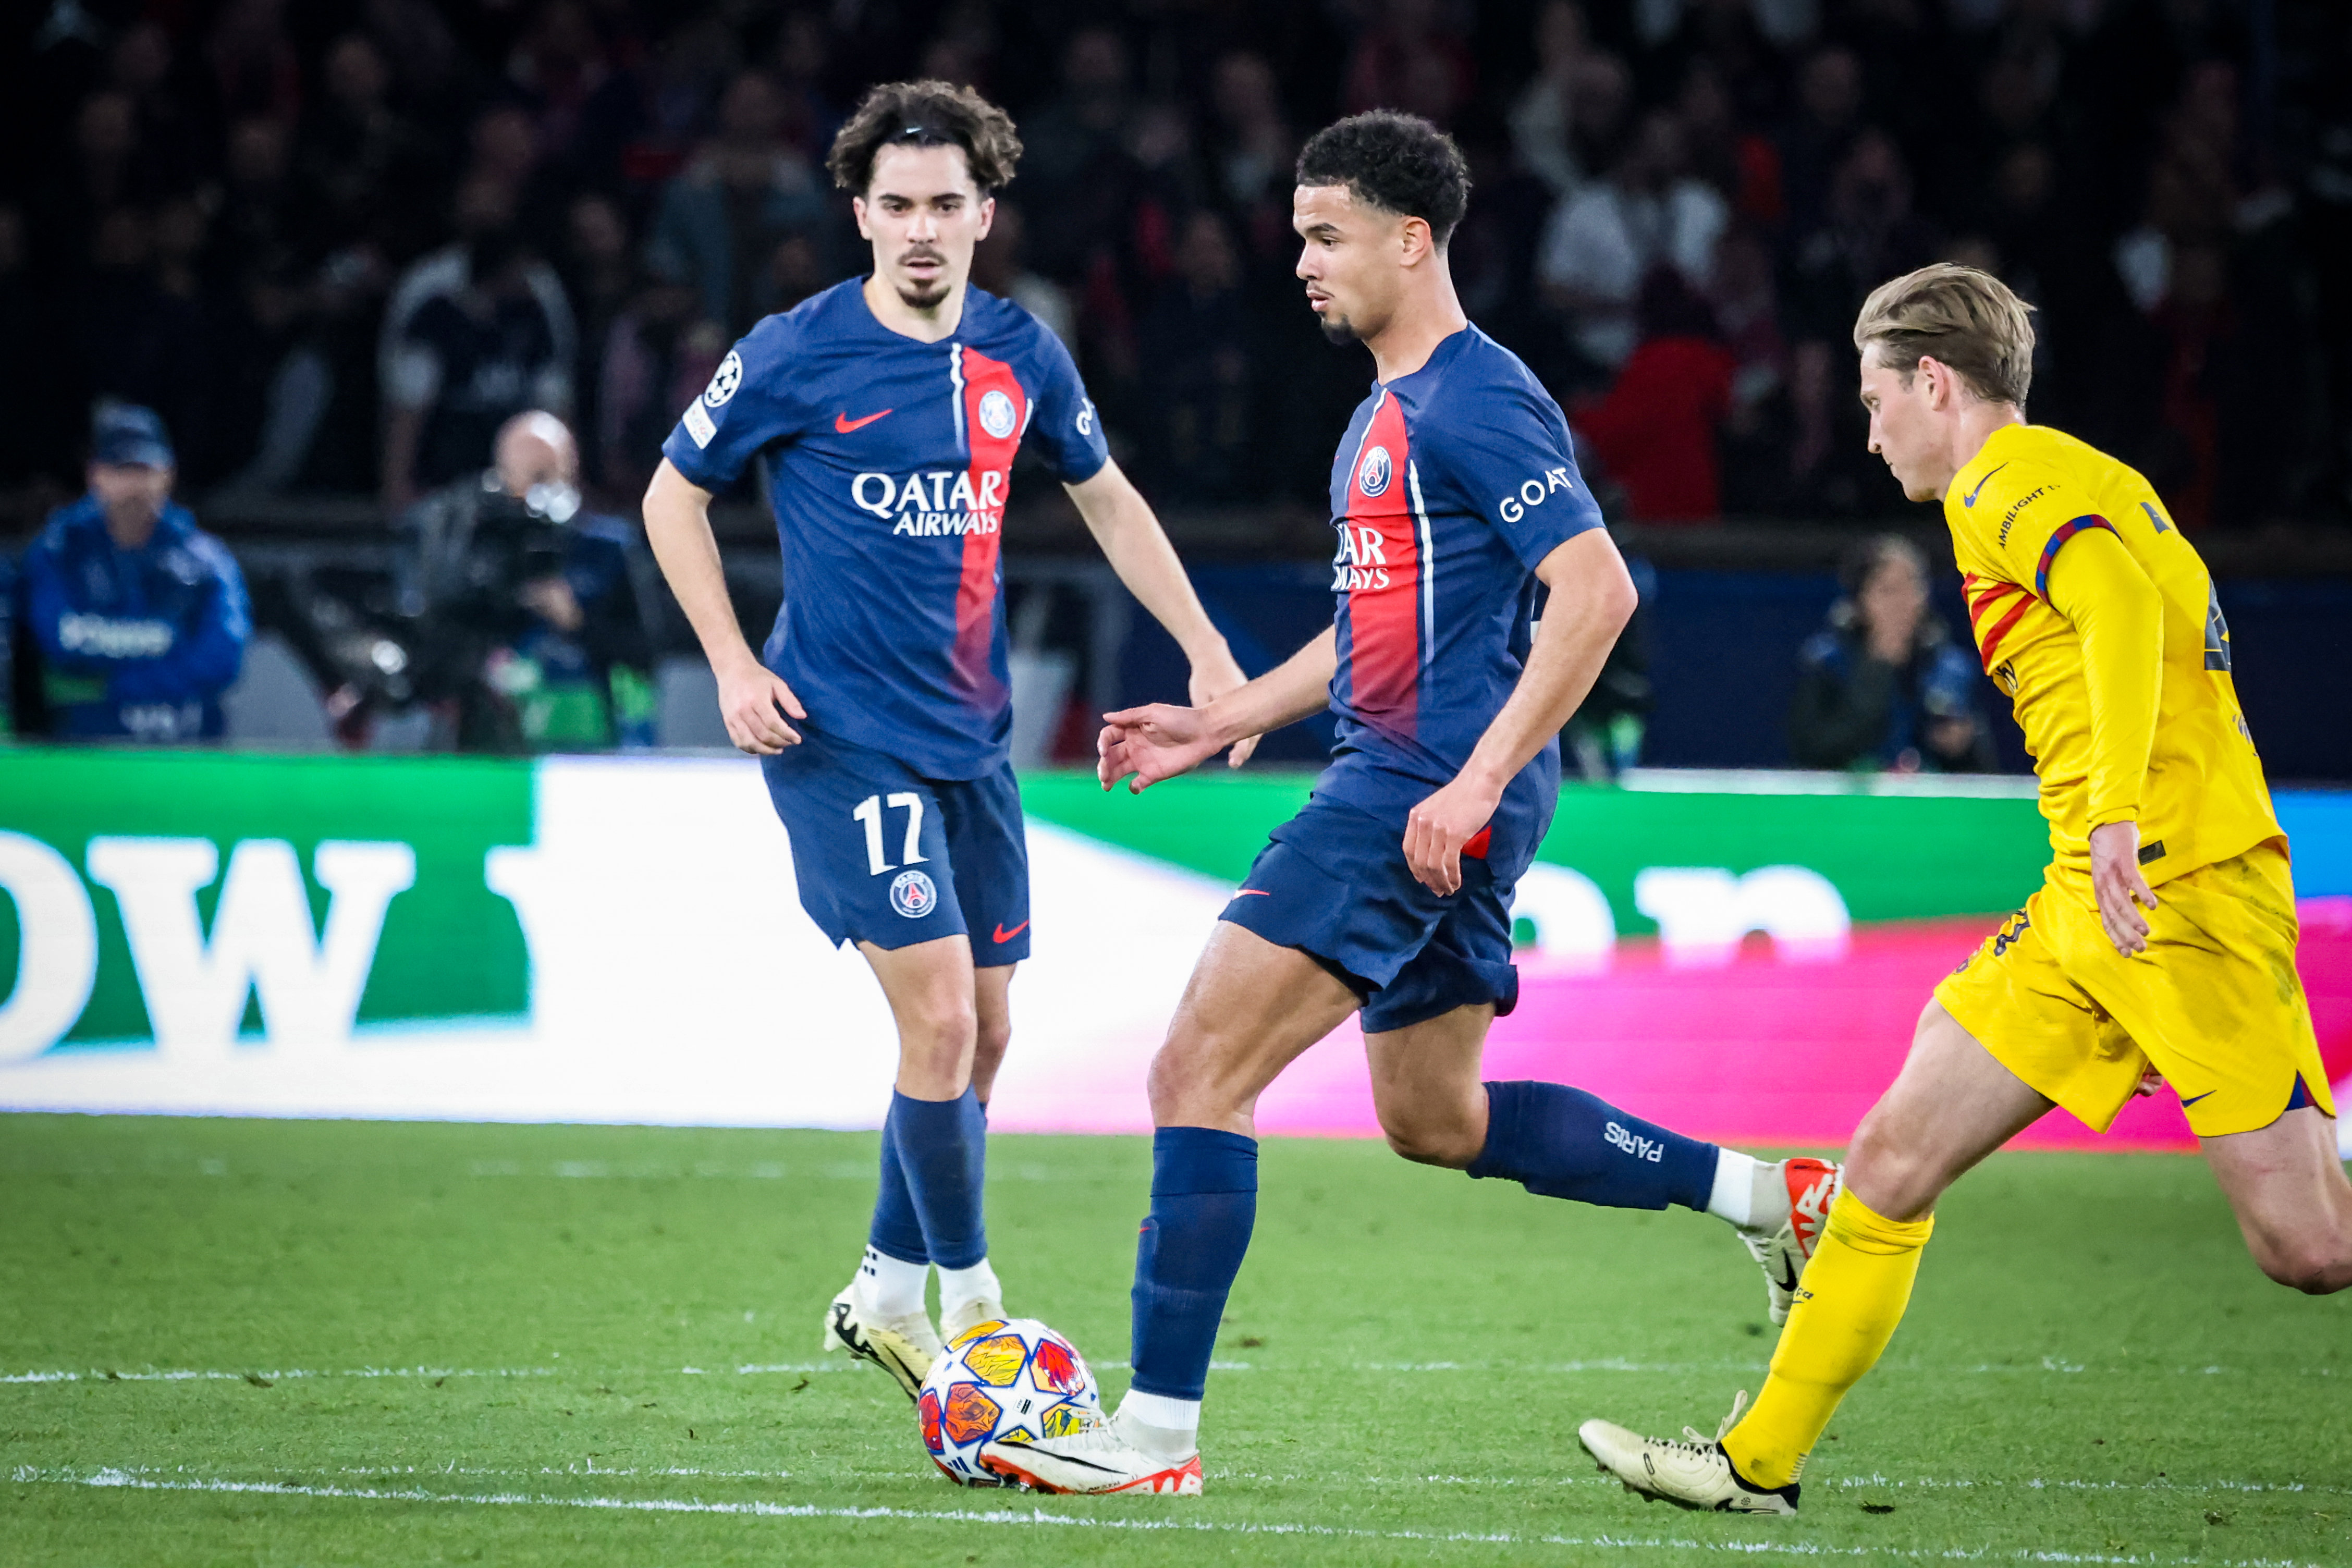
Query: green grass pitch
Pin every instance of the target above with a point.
(316, 1344)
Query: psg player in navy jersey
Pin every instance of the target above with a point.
(884, 413)
(1455, 494)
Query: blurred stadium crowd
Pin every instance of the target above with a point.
(337, 244)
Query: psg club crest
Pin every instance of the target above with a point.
(1373, 473)
(913, 896)
(996, 415)
(723, 383)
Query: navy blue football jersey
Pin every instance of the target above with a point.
(888, 464)
(1451, 486)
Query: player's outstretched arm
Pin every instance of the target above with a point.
(1593, 597)
(1132, 541)
(2096, 584)
(1159, 741)
(752, 698)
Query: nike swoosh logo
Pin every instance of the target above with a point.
(1252, 893)
(2195, 1097)
(843, 423)
(1004, 935)
(1789, 1284)
(1969, 500)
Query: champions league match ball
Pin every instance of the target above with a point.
(1008, 1382)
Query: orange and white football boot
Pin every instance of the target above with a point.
(1782, 1243)
(1095, 1460)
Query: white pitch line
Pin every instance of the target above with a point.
(2050, 1365)
(1849, 1483)
(1744, 1547)
(603, 1472)
(1873, 1482)
(1929, 1483)
(755, 1369)
(213, 1375)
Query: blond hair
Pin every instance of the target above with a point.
(1965, 317)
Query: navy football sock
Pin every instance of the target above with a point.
(897, 1229)
(1561, 1142)
(1204, 1205)
(943, 1150)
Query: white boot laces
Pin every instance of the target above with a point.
(1699, 1443)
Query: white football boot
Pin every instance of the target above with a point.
(1782, 1243)
(1095, 1459)
(903, 1347)
(981, 1313)
(1693, 1473)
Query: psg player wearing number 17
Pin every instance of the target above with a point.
(1455, 493)
(885, 412)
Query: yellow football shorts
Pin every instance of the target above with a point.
(2214, 1003)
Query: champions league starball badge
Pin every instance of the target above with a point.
(913, 895)
(723, 383)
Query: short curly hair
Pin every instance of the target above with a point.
(925, 114)
(1398, 162)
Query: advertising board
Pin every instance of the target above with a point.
(618, 939)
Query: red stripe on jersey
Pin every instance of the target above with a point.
(990, 475)
(1990, 641)
(1380, 552)
(1476, 845)
(1984, 593)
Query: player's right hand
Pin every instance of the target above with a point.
(753, 700)
(2119, 887)
(1158, 741)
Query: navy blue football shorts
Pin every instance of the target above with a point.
(1334, 884)
(886, 857)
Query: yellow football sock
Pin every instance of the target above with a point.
(1854, 1294)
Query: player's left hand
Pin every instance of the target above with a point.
(1213, 677)
(2122, 891)
(1435, 830)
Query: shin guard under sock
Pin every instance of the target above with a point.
(1561, 1142)
(897, 1230)
(943, 1150)
(1203, 1206)
(1852, 1296)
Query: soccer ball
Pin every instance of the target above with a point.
(1002, 1381)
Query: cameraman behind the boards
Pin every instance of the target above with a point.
(527, 603)
(139, 618)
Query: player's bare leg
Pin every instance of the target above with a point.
(1250, 1009)
(1426, 1087)
(954, 1024)
(2286, 1183)
(930, 987)
(991, 995)
(1951, 1105)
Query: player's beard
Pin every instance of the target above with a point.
(924, 297)
(927, 299)
(1337, 327)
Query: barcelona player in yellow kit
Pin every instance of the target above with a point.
(2162, 942)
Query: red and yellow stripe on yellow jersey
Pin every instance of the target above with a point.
(2124, 695)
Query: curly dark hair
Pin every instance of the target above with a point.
(925, 114)
(1398, 162)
